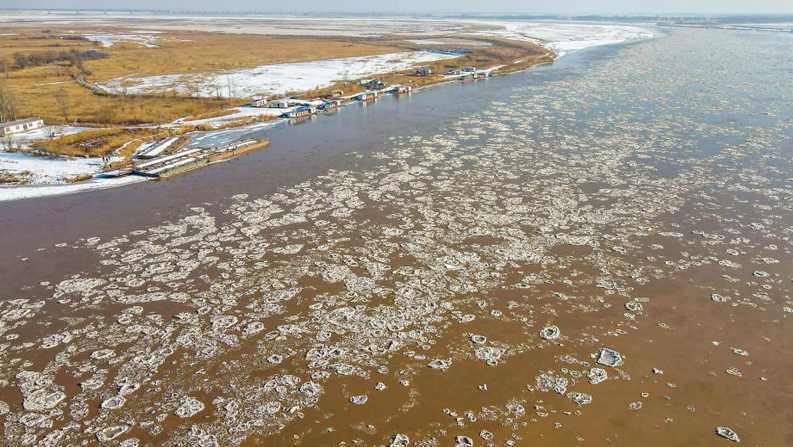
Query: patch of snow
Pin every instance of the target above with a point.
(109, 39)
(450, 42)
(277, 79)
(26, 139)
(28, 192)
(240, 113)
(47, 171)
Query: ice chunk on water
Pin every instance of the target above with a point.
(596, 375)
(399, 440)
(463, 441)
(727, 433)
(189, 407)
(550, 333)
(609, 357)
(359, 399)
(440, 364)
(42, 400)
(110, 433)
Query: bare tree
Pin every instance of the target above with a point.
(8, 103)
(8, 142)
(106, 114)
(62, 99)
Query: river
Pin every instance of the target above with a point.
(596, 252)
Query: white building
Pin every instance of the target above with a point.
(279, 104)
(258, 102)
(18, 126)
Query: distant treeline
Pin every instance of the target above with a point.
(75, 57)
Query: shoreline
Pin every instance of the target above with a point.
(27, 192)
(548, 57)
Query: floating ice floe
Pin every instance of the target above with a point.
(548, 382)
(108, 434)
(479, 339)
(359, 399)
(399, 440)
(550, 333)
(580, 398)
(439, 364)
(489, 354)
(43, 399)
(597, 375)
(189, 407)
(727, 433)
(634, 306)
(463, 441)
(609, 357)
(113, 403)
(717, 298)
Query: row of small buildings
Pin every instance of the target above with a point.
(299, 108)
(20, 126)
(373, 87)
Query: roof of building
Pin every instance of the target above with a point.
(17, 122)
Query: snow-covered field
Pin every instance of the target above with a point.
(566, 37)
(283, 25)
(239, 113)
(25, 139)
(277, 79)
(107, 40)
(47, 171)
(28, 192)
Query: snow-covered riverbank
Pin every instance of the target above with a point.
(276, 79)
(51, 176)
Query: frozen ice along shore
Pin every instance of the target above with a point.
(566, 37)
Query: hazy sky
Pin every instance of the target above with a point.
(446, 6)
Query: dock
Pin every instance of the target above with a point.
(195, 158)
(158, 148)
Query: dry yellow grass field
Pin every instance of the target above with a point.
(51, 92)
(190, 52)
(100, 142)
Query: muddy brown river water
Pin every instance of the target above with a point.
(592, 253)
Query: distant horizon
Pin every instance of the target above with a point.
(393, 13)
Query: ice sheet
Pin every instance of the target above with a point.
(566, 37)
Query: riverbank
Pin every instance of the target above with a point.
(487, 54)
